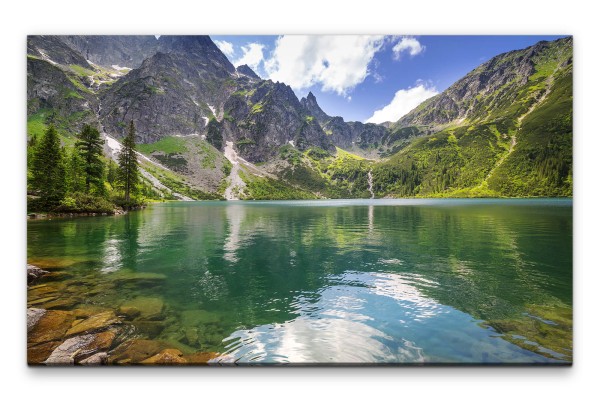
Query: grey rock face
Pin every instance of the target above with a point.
(265, 116)
(171, 93)
(247, 71)
(346, 135)
(311, 105)
(54, 49)
(107, 50)
(49, 87)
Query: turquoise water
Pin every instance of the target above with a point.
(357, 281)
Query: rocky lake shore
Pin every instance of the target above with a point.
(67, 324)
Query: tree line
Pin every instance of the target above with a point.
(81, 179)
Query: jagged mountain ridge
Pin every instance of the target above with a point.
(187, 87)
(366, 139)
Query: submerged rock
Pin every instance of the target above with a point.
(36, 354)
(78, 348)
(191, 335)
(33, 316)
(152, 328)
(147, 308)
(85, 311)
(135, 351)
(101, 358)
(166, 357)
(33, 273)
(200, 358)
(50, 326)
(95, 323)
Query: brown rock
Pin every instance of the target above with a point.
(152, 328)
(166, 357)
(62, 303)
(200, 358)
(78, 348)
(51, 326)
(41, 300)
(191, 335)
(150, 308)
(135, 351)
(101, 358)
(86, 311)
(36, 354)
(94, 323)
(129, 312)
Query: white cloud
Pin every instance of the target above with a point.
(253, 56)
(226, 47)
(404, 101)
(407, 44)
(337, 63)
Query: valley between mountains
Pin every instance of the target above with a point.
(208, 130)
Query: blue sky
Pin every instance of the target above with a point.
(368, 78)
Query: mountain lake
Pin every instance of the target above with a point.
(409, 281)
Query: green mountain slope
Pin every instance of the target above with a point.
(505, 129)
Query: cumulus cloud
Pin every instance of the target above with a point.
(407, 44)
(337, 63)
(404, 101)
(226, 47)
(252, 56)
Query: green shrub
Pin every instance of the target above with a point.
(80, 202)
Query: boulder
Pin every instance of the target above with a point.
(33, 273)
(33, 316)
(85, 311)
(191, 335)
(166, 357)
(200, 358)
(51, 326)
(79, 348)
(129, 312)
(38, 353)
(101, 358)
(151, 328)
(147, 308)
(135, 351)
(95, 322)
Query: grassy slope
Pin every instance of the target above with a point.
(456, 161)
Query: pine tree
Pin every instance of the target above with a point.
(76, 171)
(90, 146)
(111, 175)
(128, 174)
(48, 170)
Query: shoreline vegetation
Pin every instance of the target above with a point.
(79, 180)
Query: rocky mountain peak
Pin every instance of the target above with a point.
(313, 108)
(244, 69)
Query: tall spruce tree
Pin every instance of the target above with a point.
(76, 174)
(128, 173)
(48, 170)
(89, 143)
